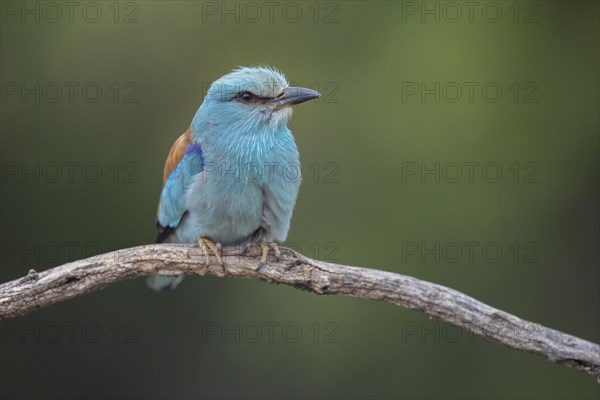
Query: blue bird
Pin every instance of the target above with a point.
(233, 177)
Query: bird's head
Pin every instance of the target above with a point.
(249, 100)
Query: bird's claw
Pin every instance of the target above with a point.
(209, 246)
(265, 249)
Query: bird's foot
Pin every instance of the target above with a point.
(209, 246)
(265, 248)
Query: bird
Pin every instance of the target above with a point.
(233, 177)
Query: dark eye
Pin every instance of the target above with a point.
(246, 97)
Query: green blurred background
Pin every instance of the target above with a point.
(359, 203)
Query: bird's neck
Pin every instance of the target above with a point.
(258, 148)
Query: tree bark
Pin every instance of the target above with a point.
(41, 289)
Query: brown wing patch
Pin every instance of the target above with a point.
(177, 152)
(175, 155)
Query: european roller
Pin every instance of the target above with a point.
(233, 177)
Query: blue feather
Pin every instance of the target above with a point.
(173, 205)
(233, 184)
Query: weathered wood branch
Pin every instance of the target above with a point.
(41, 289)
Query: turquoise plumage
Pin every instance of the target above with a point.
(233, 177)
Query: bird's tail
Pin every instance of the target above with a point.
(163, 283)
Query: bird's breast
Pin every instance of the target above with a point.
(226, 201)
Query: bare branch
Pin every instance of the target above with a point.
(41, 289)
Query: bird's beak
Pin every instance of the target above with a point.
(293, 95)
